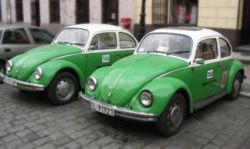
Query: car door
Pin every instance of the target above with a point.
(225, 61)
(15, 41)
(101, 51)
(206, 77)
(127, 45)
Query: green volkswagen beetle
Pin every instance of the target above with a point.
(173, 72)
(62, 67)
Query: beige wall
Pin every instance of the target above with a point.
(211, 13)
(137, 11)
(218, 13)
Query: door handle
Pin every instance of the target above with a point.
(7, 50)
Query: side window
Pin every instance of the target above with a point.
(207, 49)
(15, 36)
(41, 36)
(224, 48)
(103, 41)
(1, 34)
(126, 41)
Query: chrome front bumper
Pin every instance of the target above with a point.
(21, 84)
(119, 111)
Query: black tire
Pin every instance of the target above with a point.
(164, 124)
(2, 69)
(237, 84)
(55, 89)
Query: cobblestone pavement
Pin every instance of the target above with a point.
(29, 120)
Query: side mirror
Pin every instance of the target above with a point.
(200, 61)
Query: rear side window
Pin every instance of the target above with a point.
(224, 48)
(207, 49)
(126, 41)
(1, 34)
(15, 36)
(41, 36)
(103, 41)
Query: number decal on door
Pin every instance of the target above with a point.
(105, 58)
(210, 74)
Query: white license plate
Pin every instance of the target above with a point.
(103, 109)
(10, 81)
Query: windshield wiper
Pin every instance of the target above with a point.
(156, 52)
(177, 52)
(81, 44)
(64, 42)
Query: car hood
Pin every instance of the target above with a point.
(24, 65)
(127, 76)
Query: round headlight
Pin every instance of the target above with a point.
(146, 98)
(8, 65)
(91, 83)
(38, 73)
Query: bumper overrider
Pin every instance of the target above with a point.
(21, 84)
(118, 111)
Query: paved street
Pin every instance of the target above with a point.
(29, 120)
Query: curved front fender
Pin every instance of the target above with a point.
(236, 67)
(51, 68)
(162, 89)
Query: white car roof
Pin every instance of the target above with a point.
(195, 33)
(93, 28)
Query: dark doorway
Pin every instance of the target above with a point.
(35, 12)
(82, 11)
(110, 11)
(245, 32)
(19, 10)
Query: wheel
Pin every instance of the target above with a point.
(63, 89)
(2, 69)
(237, 84)
(172, 117)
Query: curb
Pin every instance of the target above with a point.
(245, 94)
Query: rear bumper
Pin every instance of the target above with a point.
(120, 112)
(21, 84)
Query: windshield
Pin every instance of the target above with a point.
(72, 36)
(170, 44)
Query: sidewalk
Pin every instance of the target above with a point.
(244, 57)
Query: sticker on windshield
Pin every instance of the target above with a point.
(141, 50)
(105, 58)
(162, 49)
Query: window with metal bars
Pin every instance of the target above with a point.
(159, 12)
(54, 11)
(19, 10)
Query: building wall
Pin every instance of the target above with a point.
(27, 10)
(95, 14)
(8, 11)
(67, 12)
(218, 13)
(137, 13)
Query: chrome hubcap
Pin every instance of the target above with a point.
(176, 113)
(65, 89)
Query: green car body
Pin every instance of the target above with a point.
(118, 89)
(56, 58)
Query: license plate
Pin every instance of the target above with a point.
(10, 81)
(103, 109)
